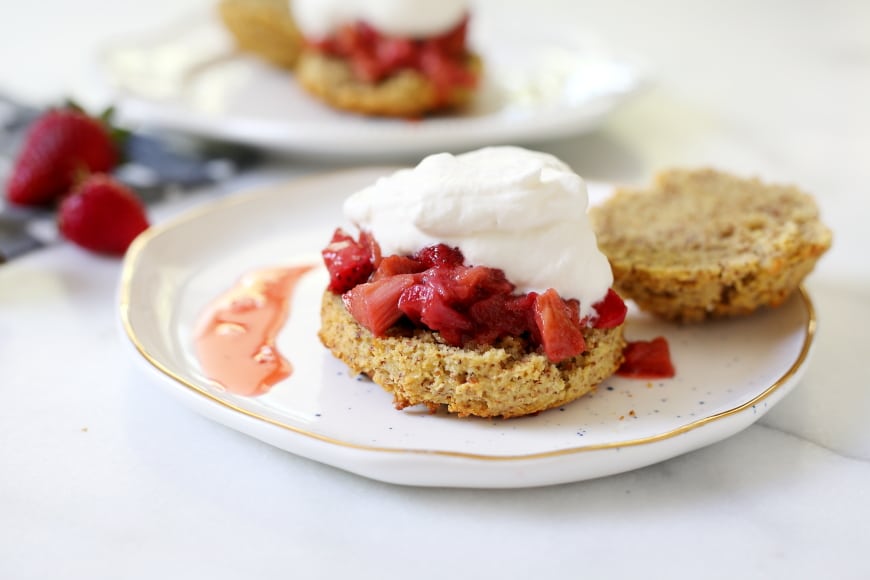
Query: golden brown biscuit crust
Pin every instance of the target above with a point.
(704, 244)
(265, 28)
(407, 93)
(503, 380)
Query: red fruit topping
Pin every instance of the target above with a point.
(439, 315)
(440, 255)
(472, 284)
(647, 360)
(393, 265)
(102, 215)
(452, 42)
(414, 299)
(374, 56)
(349, 262)
(611, 311)
(396, 53)
(375, 305)
(422, 304)
(561, 336)
(61, 147)
(462, 303)
(367, 241)
(500, 315)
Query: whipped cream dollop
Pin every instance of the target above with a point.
(405, 18)
(521, 211)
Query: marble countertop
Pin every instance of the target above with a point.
(104, 476)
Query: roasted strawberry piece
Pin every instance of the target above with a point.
(375, 305)
(348, 261)
(461, 286)
(440, 255)
(423, 306)
(521, 309)
(647, 360)
(611, 311)
(472, 284)
(396, 53)
(438, 315)
(500, 315)
(561, 337)
(393, 265)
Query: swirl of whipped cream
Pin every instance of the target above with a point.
(404, 18)
(521, 211)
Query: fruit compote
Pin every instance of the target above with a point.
(435, 289)
(374, 56)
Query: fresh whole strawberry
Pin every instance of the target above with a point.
(60, 148)
(102, 215)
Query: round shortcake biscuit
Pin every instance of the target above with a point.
(703, 244)
(265, 28)
(504, 380)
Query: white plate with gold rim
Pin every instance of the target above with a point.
(537, 86)
(728, 373)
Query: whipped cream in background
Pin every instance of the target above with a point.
(406, 18)
(510, 208)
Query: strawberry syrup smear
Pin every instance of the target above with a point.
(235, 342)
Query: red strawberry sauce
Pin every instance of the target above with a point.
(235, 341)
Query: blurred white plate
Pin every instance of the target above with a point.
(536, 87)
(728, 373)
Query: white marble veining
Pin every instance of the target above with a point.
(104, 476)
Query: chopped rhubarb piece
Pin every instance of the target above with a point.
(647, 360)
(393, 265)
(414, 299)
(611, 311)
(348, 261)
(561, 337)
(375, 305)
